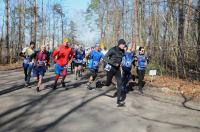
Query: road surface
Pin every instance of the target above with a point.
(22, 109)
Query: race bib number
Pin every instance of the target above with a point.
(40, 63)
(66, 66)
(84, 60)
(128, 64)
(107, 67)
(95, 63)
(26, 61)
(79, 61)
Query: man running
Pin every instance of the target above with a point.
(28, 62)
(78, 61)
(127, 62)
(41, 61)
(141, 66)
(95, 58)
(61, 56)
(113, 58)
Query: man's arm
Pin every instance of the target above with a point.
(72, 56)
(55, 53)
(22, 53)
(108, 55)
(91, 55)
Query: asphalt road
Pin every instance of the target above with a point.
(22, 109)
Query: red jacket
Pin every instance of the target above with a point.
(42, 56)
(63, 54)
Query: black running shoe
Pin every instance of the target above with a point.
(89, 87)
(54, 86)
(63, 83)
(121, 104)
(38, 89)
(99, 84)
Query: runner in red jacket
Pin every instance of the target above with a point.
(41, 61)
(61, 56)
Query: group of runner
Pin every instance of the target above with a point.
(118, 62)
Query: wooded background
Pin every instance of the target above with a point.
(168, 29)
(41, 21)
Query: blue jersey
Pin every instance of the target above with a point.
(127, 59)
(79, 56)
(95, 57)
(141, 62)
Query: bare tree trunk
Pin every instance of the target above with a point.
(198, 41)
(42, 21)
(54, 28)
(7, 33)
(136, 22)
(35, 21)
(180, 59)
(19, 27)
(62, 27)
(24, 22)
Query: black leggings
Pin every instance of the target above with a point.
(121, 94)
(141, 74)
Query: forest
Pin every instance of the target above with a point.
(168, 29)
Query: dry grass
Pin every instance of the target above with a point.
(10, 66)
(186, 87)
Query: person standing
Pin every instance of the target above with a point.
(61, 56)
(28, 54)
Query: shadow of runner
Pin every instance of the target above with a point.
(31, 105)
(54, 123)
(14, 88)
(68, 86)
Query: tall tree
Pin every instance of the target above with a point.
(72, 31)
(19, 25)
(136, 22)
(180, 59)
(43, 21)
(7, 33)
(35, 22)
(198, 41)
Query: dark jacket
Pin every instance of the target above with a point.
(114, 56)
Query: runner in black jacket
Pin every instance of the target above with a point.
(113, 58)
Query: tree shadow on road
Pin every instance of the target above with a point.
(186, 100)
(166, 122)
(18, 87)
(46, 127)
(29, 107)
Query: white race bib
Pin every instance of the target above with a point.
(95, 63)
(107, 67)
(26, 61)
(79, 61)
(41, 63)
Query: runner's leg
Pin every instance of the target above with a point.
(29, 70)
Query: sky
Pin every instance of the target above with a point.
(74, 10)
